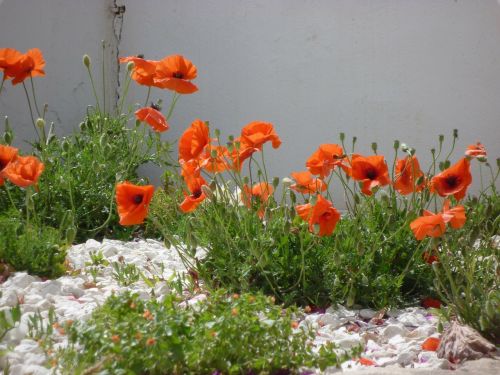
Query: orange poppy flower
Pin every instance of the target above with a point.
(30, 64)
(191, 173)
(23, 171)
(239, 155)
(261, 190)
(324, 159)
(144, 71)
(322, 214)
(407, 173)
(455, 216)
(431, 302)
(7, 154)
(306, 184)
(193, 140)
(153, 118)
(430, 224)
(133, 202)
(371, 171)
(431, 344)
(256, 133)
(213, 158)
(454, 180)
(476, 151)
(8, 58)
(175, 73)
(366, 362)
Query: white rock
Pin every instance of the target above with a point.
(367, 313)
(9, 298)
(393, 330)
(20, 280)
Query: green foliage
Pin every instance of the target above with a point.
(467, 275)
(32, 247)
(125, 273)
(376, 261)
(230, 334)
(8, 319)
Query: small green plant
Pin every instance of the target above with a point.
(125, 273)
(40, 328)
(8, 319)
(231, 334)
(37, 249)
(96, 264)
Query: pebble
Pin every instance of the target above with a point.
(395, 341)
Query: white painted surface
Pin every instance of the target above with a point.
(64, 30)
(380, 70)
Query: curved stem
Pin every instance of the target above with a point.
(34, 96)
(147, 96)
(94, 90)
(31, 111)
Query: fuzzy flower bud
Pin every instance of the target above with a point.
(396, 144)
(130, 66)
(286, 182)
(342, 137)
(86, 60)
(40, 122)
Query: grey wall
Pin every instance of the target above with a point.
(64, 30)
(380, 70)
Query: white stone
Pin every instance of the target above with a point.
(9, 298)
(393, 330)
(367, 313)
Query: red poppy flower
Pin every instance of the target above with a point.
(30, 64)
(407, 173)
(324, 159)
(133, 202)
(430, 224)
(193, 140)
(454, 180)
(213, 159)
(429, 258)
(455, 216)
(256, 133)
(476, 151)
(144, 71)
(262, 191)
(241, 153)
(366, 362)
(431, 344)
(431, 302)
(8, 58)
(175, 73)
(322, 214)
(7, 154)
(306, 184)
(153, 118)
(370, 170)
(191, 173)
(23, 171)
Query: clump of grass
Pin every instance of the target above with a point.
(230, 334)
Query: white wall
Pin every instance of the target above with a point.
(380, 70)
(377, 69)
(64, 30)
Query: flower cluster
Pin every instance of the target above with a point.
(22, 171)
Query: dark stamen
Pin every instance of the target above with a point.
(177, 75)
(138, 199)
(197, 194)
(371, 174)
(452, 181)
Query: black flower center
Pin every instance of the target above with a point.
(371, 174)
(197, 194)
(452, 181)
(138, 198)
(178, 75)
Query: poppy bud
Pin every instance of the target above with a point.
(237, 145)
(246, 180)
(354, 139)
(455, 133)
(217, 133)
(420, 180)
(40, 122)
(441, 166)
(396, 145)
(86, 60)
(130, 66)
(213, 154)
(404, 147)
(65, 145)
(259, 173)
(82, 126)
(433, 151)
(276, 182)
(374, 147)
(7, 137)
(498, 163)
(447, 164)
(342, 137)
(411, 151)
(441, 138)
(286, 182)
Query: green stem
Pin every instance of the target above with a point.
(94, 90)
(34, 95)
(175, 97)
(147, 96)
(10, 197)
(103, 79)
(31, 111)
(128, 79)
(1, 84)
